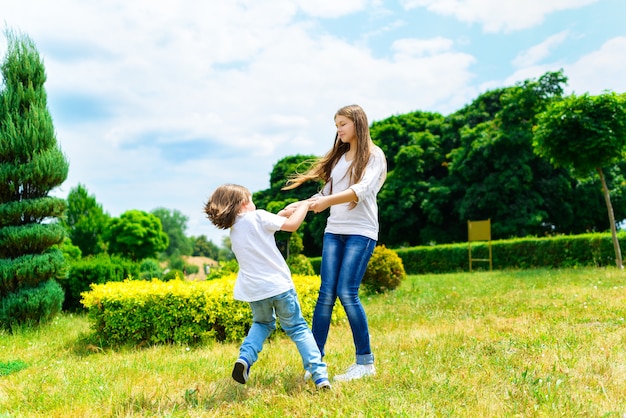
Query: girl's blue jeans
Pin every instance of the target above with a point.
(344, 261)
(287, 308)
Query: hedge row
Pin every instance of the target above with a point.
(96, 269)
(594, 249)
(137, 312)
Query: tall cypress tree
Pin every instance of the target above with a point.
(31, 165)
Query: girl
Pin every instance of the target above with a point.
(352, 172)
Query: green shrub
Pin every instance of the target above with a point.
(300, 264)
(186, 312)
(173, 274)
(191, 269)
(224, 268)
(296, 246)
(149, 269)
(31, 306)
(384, 271)
(97, 269)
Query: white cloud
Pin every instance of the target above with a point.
(248, 80)
(418, 47)
(538, 52)
(498, 15)
(331, 8)
(592, 73)
(600, 70)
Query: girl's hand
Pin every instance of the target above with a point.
(320, 204)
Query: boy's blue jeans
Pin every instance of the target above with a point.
(287, 308)
(344, 261)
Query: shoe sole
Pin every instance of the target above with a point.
(239, 373)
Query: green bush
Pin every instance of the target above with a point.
(300, 264)
(191, 269)
(97, 269)
(149, 269)
(224, 268)
(296, 246)
(31, 306)
(384, 271)
(173, 274)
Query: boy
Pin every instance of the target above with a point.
(264, 279)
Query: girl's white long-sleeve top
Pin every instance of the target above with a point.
(363, 218)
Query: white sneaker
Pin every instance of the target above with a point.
(356, 371)
(307, 376)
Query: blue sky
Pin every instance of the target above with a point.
(156, 103)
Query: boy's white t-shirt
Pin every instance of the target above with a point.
(363, 218)
(263, 272)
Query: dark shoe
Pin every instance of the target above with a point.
(323, 384)
(240, 371)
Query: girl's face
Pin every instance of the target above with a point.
(345, 129)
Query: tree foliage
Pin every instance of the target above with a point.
(85, 221)
(587, 133)
(31, 165)
(202, 247)
(476, 163)
(136, 235)
(174, 224)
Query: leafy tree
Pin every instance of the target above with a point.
(476, 163)
(413, 146)
(204, 248)
(31, 165)
(136, 235)
(587, 133)
(174, 224)
(495, 172)
(85, 221)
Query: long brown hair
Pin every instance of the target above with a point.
(322, 167)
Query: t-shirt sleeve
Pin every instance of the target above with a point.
(271, 221)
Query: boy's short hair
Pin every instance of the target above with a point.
(225, 203)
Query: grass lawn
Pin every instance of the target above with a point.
(534, 343)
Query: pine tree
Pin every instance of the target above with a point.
(31, 165)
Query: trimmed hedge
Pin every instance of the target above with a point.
(520, 253)
(97, 269)
(139, 312)
(595, 249)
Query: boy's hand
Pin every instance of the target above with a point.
(288, 210)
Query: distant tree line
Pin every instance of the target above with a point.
(135, 234)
